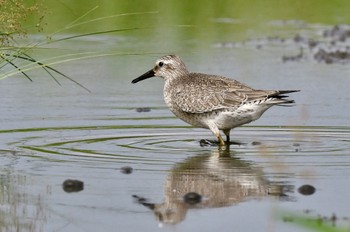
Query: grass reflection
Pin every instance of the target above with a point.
(315, 223)
(19, 211)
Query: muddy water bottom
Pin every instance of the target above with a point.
(259, 177)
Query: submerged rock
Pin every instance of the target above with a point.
(306, 189)
(126, 170)
(143, 109)
(192, 198)
(70, 185)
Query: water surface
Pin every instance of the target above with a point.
(51, 133)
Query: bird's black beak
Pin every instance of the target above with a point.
(144, 76)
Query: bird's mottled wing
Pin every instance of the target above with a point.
(199, 94)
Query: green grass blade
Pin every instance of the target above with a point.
(111, 16)
(31, 59)
(16, 67)
(96, 33)
(70, 25)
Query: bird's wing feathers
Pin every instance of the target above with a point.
(198, 93)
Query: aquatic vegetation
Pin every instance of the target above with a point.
(13, 15)
(329, 45)
(316, 223)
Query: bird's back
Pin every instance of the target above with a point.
(202, 93)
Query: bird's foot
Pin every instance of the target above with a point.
(215, 143)
(208, 143)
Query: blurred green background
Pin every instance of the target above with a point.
(207, 19)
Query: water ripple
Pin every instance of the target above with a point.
(164, 145)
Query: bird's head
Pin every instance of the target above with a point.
(166, 67)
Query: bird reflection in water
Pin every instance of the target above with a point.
(213, 180)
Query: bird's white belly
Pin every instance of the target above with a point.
(228, 120)
(224, 119)
(233, 118)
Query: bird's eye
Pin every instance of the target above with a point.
(161, 64)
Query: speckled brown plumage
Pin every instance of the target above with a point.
(210, 101)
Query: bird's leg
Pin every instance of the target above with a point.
(216, 132)
(227, 133)
(221, 141)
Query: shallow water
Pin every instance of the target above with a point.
(51, 133)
